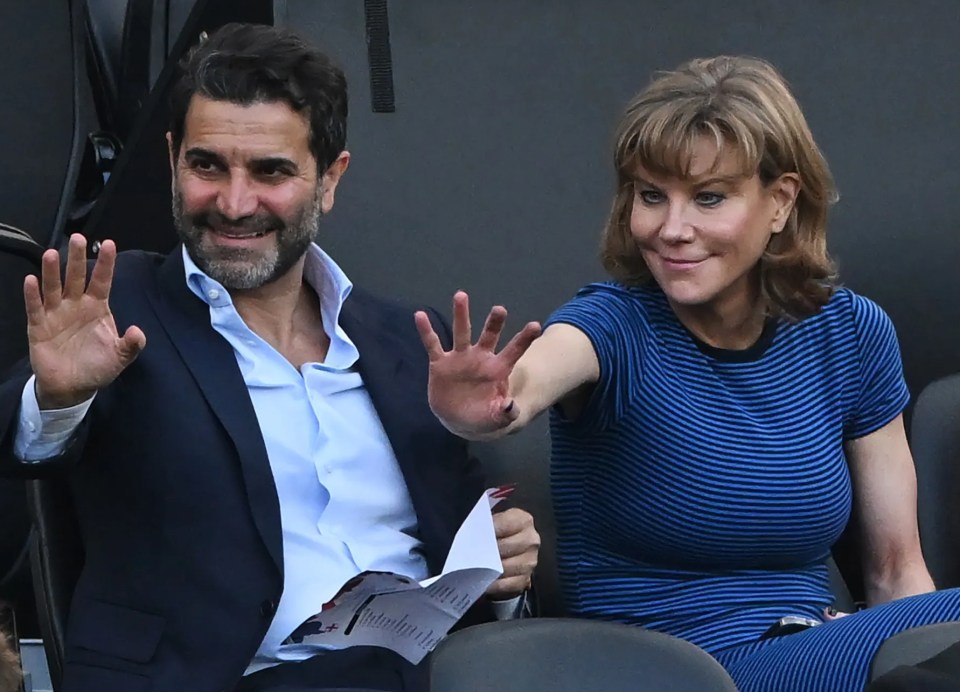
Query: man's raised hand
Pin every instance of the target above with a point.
(75, 348)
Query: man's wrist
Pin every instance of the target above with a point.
(509, 608)
(53, 401)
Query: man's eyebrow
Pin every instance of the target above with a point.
(274, 162)
(201, 153)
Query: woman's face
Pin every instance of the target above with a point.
(702, 236)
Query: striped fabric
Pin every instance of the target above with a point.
(700, 490)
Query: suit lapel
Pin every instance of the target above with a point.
(212, 363)
(388, 361)
(380, 366)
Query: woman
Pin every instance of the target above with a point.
(720, 405)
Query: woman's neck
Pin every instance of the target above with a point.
(728, 322)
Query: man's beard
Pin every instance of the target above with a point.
(243, 268)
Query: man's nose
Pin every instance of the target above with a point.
(238, 198)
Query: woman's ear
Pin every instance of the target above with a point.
(783, 193)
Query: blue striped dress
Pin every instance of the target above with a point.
(700, 490)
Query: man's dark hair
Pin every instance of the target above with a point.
(256, 63)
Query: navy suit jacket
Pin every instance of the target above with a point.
(175, 498)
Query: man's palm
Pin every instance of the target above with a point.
(74, 345)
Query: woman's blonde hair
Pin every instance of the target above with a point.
(742, 103)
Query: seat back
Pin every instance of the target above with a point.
(913, 646)
(56, 558)
(935, 441)
(105, 29)
(565, 655)
(19, 256)
(530, 472)
(45, 114)
(134, 206)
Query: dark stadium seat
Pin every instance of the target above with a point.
(564, 655)
(19, 256)
(935, 440)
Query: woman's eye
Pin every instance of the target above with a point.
(650, 197)
(709, 199)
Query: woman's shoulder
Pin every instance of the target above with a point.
(604, 301)
(616, 293)
(609, 312)
(849, 324)
(852, 307)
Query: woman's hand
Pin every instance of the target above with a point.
(469, 386)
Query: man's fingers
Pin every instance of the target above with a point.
(461, 321)
(517, 538)
(492, 328)
(431, 342)
(52, 289)
(101, 279)
(519, 565)
(511, 521)
(131, 343)
(508, 587)
(519, 344)
(32, 301)
(75, 277)
(526, 543)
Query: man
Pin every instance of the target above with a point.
(242, 429)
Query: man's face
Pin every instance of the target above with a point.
(246, 195)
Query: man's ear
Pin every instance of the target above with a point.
(331, 178)
(784, 191)
(170, 154)
(173, 161)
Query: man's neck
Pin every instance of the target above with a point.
(286, 314)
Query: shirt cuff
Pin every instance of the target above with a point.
(510, 609)
(45, 434)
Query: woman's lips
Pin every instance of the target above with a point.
(680, 264)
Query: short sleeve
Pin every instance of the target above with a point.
(613, 321)
(882, 391)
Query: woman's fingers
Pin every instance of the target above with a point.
(431, 342)
(833, 614)
(492, 328)
(461, 321)
(489, 336)
(519, 344)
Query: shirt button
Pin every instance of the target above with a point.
(213, 294)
